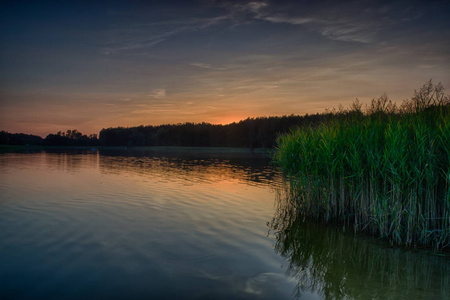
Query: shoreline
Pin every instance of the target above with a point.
(177, 149)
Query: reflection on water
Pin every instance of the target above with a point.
(337, 265)
(206, 166)
(89, 225)
(253, 169)
(166, 225)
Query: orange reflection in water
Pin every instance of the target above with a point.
(241, 168)
(208, 189)
(209, 178)
(178, 216)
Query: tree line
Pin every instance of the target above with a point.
(61, 138)
(259, 132)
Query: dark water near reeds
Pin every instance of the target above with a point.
(156, 225)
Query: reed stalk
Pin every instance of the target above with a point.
(385, 171)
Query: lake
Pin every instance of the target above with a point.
(184, 225)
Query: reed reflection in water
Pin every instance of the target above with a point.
(339, 265)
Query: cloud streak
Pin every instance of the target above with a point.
(338, 21)
(206, 66)
(144, 36)
(158, 94)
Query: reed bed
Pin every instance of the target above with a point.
(385, 170)
(340, 266)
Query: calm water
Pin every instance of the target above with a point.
(154, 225)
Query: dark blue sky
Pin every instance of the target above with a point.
(83, 65)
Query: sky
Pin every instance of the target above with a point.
(89, 65)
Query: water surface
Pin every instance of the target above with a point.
(155, 225)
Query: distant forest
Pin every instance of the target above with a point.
(67, 138)
(250, 133)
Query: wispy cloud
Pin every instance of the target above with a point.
(206, 66)
(158, 93)
(262, 10)
(333, 23)
(207, 22)
(145, 36)
(347, 32)
(289, 20)
(137, 38)
(341, 23)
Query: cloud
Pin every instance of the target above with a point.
(340, 22)
(201, 65)
(347, 33)
(158, 93)
(206, 66)
(342, 30)
(345, 23)
(136, 38)
(289, 20)
(144, 36)
(253, 6)
(207, 22)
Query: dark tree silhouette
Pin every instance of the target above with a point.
(249, 133)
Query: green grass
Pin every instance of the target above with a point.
(385, 171)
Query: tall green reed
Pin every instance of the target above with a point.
(385, 171)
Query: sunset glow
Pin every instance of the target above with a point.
(71, 64)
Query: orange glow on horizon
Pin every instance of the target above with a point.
(229, 120)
